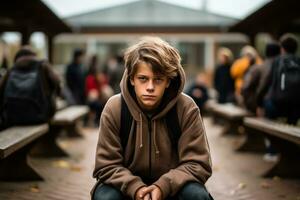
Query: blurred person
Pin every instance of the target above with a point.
(240, 66)
(75, 77)
(282, 84)
(198, 90)
(105, 88)
(149, 163)
(272, 51)
(223, 82)
(255, 75)
(93, 89)
(28, 91)
(115, 69)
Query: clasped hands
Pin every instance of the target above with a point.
(151, 192)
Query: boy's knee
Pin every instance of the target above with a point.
(105, 192)
(194, 191)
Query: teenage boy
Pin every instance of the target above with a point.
(149, 166)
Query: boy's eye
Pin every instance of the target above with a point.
(141, 78)
(158, 80)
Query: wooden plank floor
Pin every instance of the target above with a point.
(235, 176)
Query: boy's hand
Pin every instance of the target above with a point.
(154, 191)
(142, 195)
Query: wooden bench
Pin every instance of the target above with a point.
(65, 119)
(286, 139)
(15, 143)
(231, 114)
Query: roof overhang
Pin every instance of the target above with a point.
(30, 16)
(276, 18)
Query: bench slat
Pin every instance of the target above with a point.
(69, 115)
(288, 132)
(14, 138)
(229, 111)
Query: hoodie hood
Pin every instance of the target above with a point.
(170, 96)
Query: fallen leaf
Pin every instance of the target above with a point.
(61, 164)
(34, 188)
(241, 185)
(64, 144)
(76, 168)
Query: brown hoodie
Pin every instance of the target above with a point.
(149, 154)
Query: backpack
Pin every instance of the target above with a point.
(26, 96)
(286, 84)
(174, 129)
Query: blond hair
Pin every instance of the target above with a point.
(163, 58)
(249, 51)
(223, 51)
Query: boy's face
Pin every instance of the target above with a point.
(149, 87)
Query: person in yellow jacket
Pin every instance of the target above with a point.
(238, 69)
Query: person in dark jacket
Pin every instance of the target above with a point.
(149, 166)
(75, 77)
(223, 82)
(24, 60)
(256, 74)
(266, 95)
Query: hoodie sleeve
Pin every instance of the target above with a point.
(109, 167)
(194, 155)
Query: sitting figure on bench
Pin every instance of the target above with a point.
(281, 85)
(28, 91)
(152, 142)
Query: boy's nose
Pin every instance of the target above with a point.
(150, 86)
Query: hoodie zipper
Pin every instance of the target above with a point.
(150, 148)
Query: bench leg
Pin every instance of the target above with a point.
(217, 120)
(289, 162)
(16, 168)
(73, 130)
(253, 142)
(47, 145)
(231, 128)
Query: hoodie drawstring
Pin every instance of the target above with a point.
(141, 131)
(154, 137)
(154, 134)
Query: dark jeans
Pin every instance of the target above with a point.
(190, 191)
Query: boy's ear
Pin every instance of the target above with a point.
(131, 81)
(168, 84)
